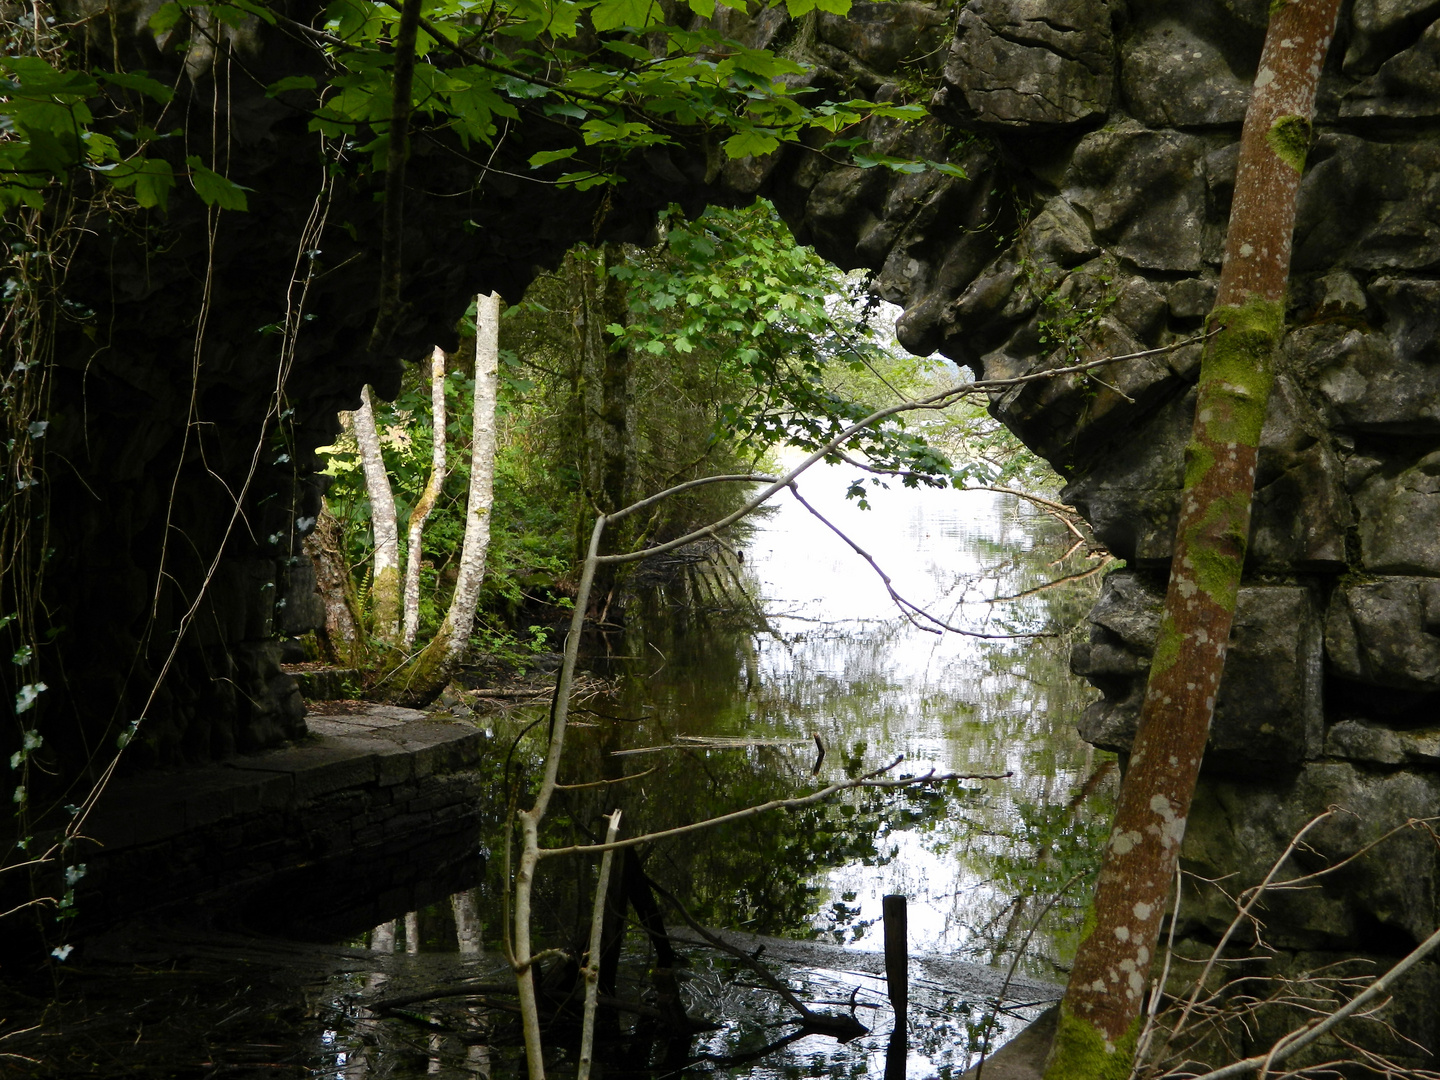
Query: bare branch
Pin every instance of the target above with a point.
(591, 970)
(1302, 1037)
(868, 781)
(913, 612)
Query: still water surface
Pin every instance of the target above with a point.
(818, 655)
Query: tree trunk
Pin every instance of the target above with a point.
(426, 502)
(605, 389)
(426, 675)
(1100, 1014)
(385, 578)
(343, 642)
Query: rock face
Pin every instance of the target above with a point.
(1099, 145)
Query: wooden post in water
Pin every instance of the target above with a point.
(897, 956)
(897, 982)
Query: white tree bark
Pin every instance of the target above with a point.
(385, 588)
(427, 499)
(427, 674)
(466, 908)
(482, 478)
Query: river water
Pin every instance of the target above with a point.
(722, 690)
(720, 694)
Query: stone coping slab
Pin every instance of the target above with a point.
(377, 745)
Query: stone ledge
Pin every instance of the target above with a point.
(375, 780)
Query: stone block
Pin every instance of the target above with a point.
(1069, 416)
(1192, 298)
(1399, 511)
(1146, 193)
(1171, 75)
(136, 811)
(1385, 632)
(1269, 709)
(1368, 205)
(1363, 385)
(1301, 512)
(1131, 500)
(1300, 515)
(299, 608)
(215, 793)
(1238, 829)
(1407, 85)
(888, 37)
(1380, 28)
(1359, 740)
(841, 208)
(1411, 307)
(1027, 63)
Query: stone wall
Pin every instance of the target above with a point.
(1099, 142)
(1116, 128)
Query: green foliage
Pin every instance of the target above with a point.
(577, 61)
(780, 325)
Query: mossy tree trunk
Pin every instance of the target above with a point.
(426, 503)
(1100, 1014)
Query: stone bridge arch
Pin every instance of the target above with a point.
(1099, 141)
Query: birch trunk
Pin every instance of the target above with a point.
(1100, 1014)
(426, 675)
(426, 502)
(385, 582)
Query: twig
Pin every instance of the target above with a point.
(867, 781)
(1302, 1037)
(591, 970)
(1068, 579)
(913, 613)
(605, 783)
(936, 402)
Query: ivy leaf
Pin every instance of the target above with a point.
(233, 12)
(214, 189)
(545, 157)
(290, 82)
(565, 108)
(139, 81)
(704, 8)
(149, 179)
(755, 142)
(613, 14)
(165, 17)
(631, 50)
(584, 181)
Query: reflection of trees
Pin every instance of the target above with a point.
(986, 707)
(867, 690)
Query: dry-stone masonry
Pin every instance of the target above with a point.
(1099, 143)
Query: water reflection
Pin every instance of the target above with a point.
(715, 702)
(711, 702)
